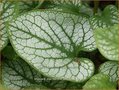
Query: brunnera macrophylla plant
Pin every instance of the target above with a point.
(45, 43)
(22, 75)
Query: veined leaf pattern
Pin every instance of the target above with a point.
(110, 68)
(50, 42)
(5, 15)
(107, 42)
(8, 11)
(17, 74)
(108, 17)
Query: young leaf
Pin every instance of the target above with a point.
(50, 42)
(110, 68)
(108, 17)
(107, 42)
(99, 81)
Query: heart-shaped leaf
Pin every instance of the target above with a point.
(50, 41)
(108, 17)
(99, 81)
(107, 42)
(110, 68)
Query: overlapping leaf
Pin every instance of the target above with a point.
(107, 42)
(110, 68)
(17, 74)
(6, 10)
(71, 2)
(99, 81)
(9, 10)
(108, 17)
(50, 42)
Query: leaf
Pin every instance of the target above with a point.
(15, 71)
(50, 42)
(6, 14)
(99, 81)
(9, 10)
(108, 17)
(107, 42)
(16, 74)
(110, 68)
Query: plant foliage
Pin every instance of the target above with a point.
(53, 45)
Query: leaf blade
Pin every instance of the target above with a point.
(51, 56)
(108, 17)
(107, 42)
(110, 68)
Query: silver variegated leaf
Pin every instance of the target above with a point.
(50, 42)
(6, 10)
(9, 10)
(110, 68)
(108, 17)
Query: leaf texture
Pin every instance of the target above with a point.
(107, 42)
(9, 10)
(110, 68)
(108, 17)
(50, 42)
